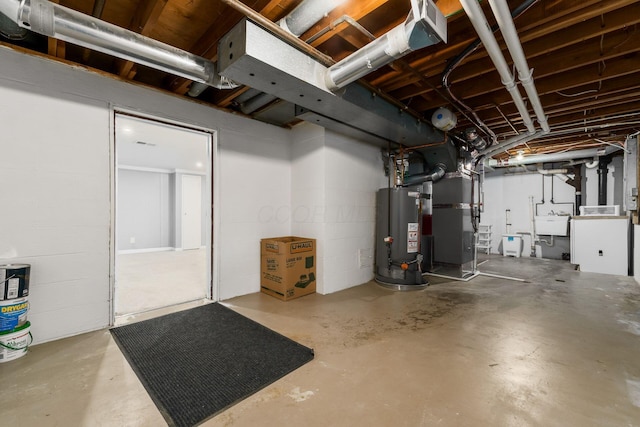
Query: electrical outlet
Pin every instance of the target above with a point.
(132, 240)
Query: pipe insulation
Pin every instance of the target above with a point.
(306, 14)
(542, 171)
(482, 27)
(424, 26)
(53, 20)
(507, 27)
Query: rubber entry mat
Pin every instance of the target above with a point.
(198, 362)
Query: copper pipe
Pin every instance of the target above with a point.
(432, 144)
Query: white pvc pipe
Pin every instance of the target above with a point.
(510, 143)
(507, 27)
(554, 157)
(482, 27)
(552, 171)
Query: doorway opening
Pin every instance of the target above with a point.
(163, 216)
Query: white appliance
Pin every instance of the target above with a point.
(600, 244)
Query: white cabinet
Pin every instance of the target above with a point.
(600, 244)
(484, 238)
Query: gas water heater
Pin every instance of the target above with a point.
(399, 254)
(426, 218)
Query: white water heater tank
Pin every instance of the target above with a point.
(444, 119)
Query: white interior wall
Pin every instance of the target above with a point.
(334, 184)
(512, 191)
(354, 173)
(254, 172)
(144, 205)
(307, 209)
(56, 159)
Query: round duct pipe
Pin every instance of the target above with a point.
(10, 30)
(306, 14)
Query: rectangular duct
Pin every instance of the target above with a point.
(253, 56)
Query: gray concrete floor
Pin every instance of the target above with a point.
(562, 349)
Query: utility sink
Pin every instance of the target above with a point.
(552, 225)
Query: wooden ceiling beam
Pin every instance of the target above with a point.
(498, 125)
(355, 9)
(537, 21)
(529, 30)
(490, 90)
(207, 45)
(575, 36)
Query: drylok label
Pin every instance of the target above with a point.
(13, 315)
(412, 237)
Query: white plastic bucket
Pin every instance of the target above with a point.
(14, 344)
(13, 314)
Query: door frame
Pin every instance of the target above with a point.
(213, 180)
(184, 182)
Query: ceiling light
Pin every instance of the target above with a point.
(199, 165)
(520, 155)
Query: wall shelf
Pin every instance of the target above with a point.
(483, 242)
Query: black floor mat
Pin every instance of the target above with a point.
(198, 362)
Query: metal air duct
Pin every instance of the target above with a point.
(424, 26)
(10, 30)
(306, 14)
(62, 23)
(255, 57)
(433, 175)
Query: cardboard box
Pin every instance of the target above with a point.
(288, 267)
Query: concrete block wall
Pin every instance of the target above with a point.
(56, 165)
(334, 185)
(56, 169)
(512, 191)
